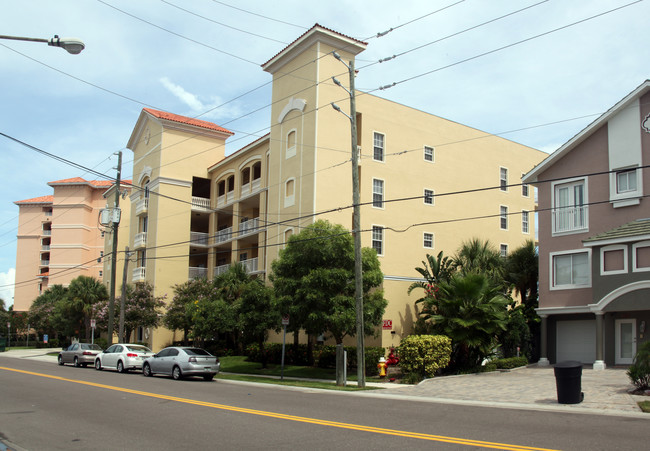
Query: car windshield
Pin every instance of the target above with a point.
(138, 348)
(196, 351)
(92, 347)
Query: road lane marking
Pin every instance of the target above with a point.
(282, 416)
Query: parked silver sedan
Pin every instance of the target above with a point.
(122, 357)
(80, 354)
(178, 362)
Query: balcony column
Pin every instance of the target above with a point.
(599, 364)
(236, 221)
(543, 359)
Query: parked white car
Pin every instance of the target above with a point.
(122, 357)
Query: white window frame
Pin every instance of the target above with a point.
(552, 277)
(525, 188)
(525, 222)
(383, 147)
(432, 197)
(584, 181)
(289, 200)
(503, 250)
(432, 153)
(383, 193)
(635, 246)
(424, 240)
(503, 181)
(602, 259)
(627, 197)
(503, 216)
(382, 241)
(291, 151)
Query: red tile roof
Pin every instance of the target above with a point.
(36, 200)
(186, 120)
(93, 183)
(309, 31)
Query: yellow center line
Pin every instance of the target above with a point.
(336, 424)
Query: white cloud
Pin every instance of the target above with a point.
(199, 107)
(7, 280)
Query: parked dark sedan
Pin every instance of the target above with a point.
(179, 362)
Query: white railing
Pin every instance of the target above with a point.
(221, 269)
(140, 240)
(45, 263)
(200, 203)
(196, 273)
(221, 200)
(199, 238)
(257, 184)
(569, 219)
(45, 247)
(138, 274)
(250, 264)
(249, 226)
(47, 233)
(223, 235)
(245, 189)
(230, 196)
(141, 206)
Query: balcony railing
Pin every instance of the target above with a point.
(221, 269)
(196, 273)
(45, 247)
(141, 206)
(138, 274)
(47, 233)
(250, 265)
(249, 226)
(245, 189)
(569, 219)
(200, 203)
(257, 184)
(221, 200)
(199, 238)
(140, 240)
(223, 235)
(45, 263)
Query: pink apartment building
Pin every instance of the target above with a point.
(59, 237)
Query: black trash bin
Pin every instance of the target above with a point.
(568, 380)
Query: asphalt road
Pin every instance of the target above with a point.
(47, 407)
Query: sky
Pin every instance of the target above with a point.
(536, 72)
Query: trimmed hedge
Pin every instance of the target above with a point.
(424, 355)
(506, 364)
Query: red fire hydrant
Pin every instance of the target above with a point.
(382, 367)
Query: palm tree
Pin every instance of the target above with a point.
(522, 271)
(471, 311)
(83, 293)
(479, 256)
(435, 270)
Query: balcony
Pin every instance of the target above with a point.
(257, 185)
(199, 238)
(140, 240)
(248, 227)
(198, 273)
(250, 265)
(200, 203)
(223, 235)
(47, 233)
(45, 263)
(141, 206)
(138, 274)
(45, 247)
(570, 219)
(221, 269)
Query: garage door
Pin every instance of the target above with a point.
(576, 340)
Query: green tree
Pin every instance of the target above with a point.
(480, 257)
(45, 313)
(434, 270)
(472, 311)
(258, 313)
(522, 271)
(179, 314)
(314, 281)
(84, 294)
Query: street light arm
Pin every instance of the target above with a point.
(71, 45)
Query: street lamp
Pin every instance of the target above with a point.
(356, 222)
(71, 45)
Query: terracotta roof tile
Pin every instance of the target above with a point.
(186, 120)
(36, 200)
(80, 181)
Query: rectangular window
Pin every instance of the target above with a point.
(524, 221)
(503, 179)
(378, 239)
(377, 193)
(569, 207)
(571, 270)
(524, 188)
(428, 154)
(626, 181)
(504, 250)
(504, 218)
(378, 147)
(428, 196)
(428, 240)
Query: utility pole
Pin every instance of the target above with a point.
(123, 299)
(116, 224)
(356, 225)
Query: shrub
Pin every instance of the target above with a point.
(639, 372)
(506, 364)
(424, 354)
(326, 357)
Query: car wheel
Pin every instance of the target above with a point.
(146, 370)
(208, 377)
(98, 365)
(76, 362)
(120, 367)
(60, 360)
(176, 373)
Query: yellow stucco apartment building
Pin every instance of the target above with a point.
(194, 211)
